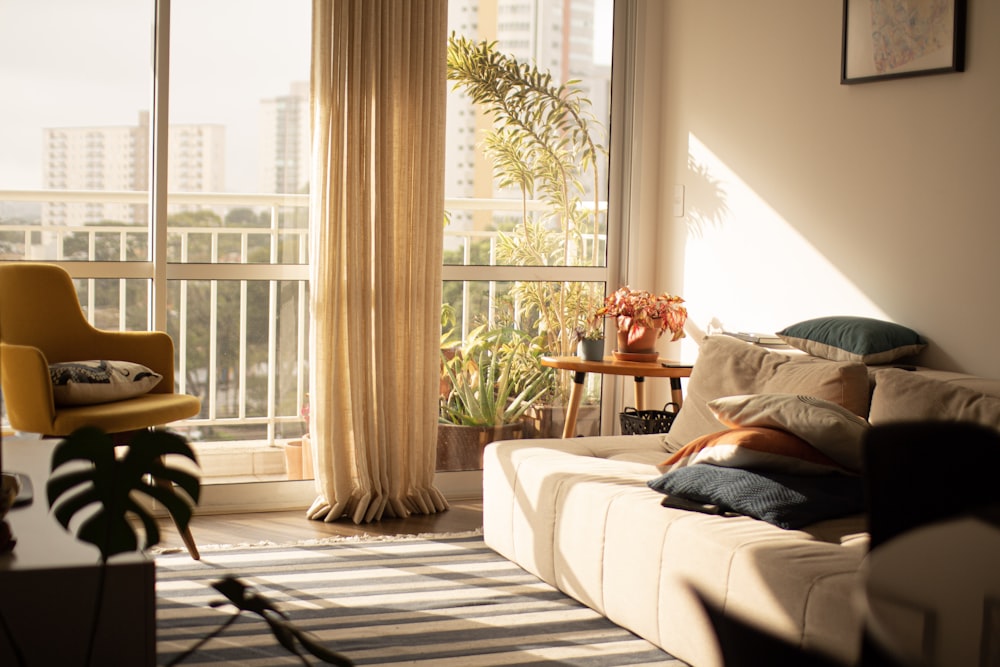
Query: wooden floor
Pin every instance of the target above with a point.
(293, 526)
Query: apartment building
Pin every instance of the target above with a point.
(116, 159)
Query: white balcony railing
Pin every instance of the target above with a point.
(253, 390)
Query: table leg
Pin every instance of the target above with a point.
(675, 392)
(575, 396)
(640, 393)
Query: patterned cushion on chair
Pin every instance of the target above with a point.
(99, 381)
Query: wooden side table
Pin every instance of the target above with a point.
(639, 370)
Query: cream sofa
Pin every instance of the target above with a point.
(579, 514)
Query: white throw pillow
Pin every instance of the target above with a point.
(830, 428)
(99, 381)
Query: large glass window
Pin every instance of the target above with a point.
(222, 266)
(206, 237)
(74, 130)
(526, 185)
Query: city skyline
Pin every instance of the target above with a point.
(196, 97)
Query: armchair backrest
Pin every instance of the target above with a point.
(39, 307)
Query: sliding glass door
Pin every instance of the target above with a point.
(160, 152)
(526, 234)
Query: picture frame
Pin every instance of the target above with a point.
(882, 42)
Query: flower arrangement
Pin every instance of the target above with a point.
(640, 309)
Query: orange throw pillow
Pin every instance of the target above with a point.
(754, 448)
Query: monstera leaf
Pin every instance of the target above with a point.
(111, 482)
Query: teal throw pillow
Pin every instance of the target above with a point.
(846, 338)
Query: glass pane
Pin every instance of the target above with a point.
(526, 179)
(500, 331)
(74, 164)
(239, 124)
(242, 348)
(115, 304)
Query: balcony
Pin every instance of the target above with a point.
(253, 385)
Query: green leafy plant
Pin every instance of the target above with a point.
(542, 144)
(110, 483)
(591, 321)
(494, 378)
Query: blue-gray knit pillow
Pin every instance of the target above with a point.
(787, 501)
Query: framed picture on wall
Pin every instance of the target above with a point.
(889, 40)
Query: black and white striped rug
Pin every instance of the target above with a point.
(421, 601)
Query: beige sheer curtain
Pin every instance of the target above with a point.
(376, 225)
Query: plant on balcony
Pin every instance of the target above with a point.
(494, 377)
(488, 384)
(542, 145)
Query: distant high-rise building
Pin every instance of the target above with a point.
(117, 159)
(284, 141)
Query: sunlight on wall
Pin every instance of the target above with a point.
(746, 267)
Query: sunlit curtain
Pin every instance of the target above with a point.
(376, 224)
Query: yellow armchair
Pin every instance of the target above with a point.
(42, 323)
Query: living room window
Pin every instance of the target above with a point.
(90, 159)
(526, 236)
(223, 264)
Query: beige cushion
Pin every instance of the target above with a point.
(906, 395)
(830, 428)
(730, 367)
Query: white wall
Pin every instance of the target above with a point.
(805, 197)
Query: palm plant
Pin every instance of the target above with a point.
(541, 144)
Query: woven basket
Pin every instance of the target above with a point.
(638, 422)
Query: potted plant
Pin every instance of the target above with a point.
(543, 144)
(641, 318)
(590, 335)
(492, 380)
(104, 491)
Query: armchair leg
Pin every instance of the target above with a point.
(185, 532)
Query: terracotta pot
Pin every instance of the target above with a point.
(461, 447)
(637, 338)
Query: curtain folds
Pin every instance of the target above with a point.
(376, 225)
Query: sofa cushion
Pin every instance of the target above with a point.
(902, 395)
(830, 428)
(99, 381)
(753, 448)
(861, 339)
(730, 367)
(787, 501)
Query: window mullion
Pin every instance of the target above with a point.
(159, 128)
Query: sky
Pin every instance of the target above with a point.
(64, 63)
